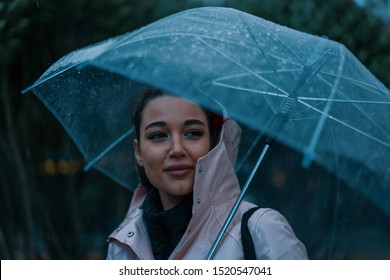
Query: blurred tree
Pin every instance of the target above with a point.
(45, 215)
(46, 212)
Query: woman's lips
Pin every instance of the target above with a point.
(178, 170)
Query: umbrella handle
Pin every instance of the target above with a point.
(236, 204)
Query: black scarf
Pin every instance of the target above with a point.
(165, 228)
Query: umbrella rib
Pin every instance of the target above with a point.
(243, 67)
(306, 66)
(249, 90)
(344, 124)
(368, 86)
(292, 117)
(309, 152)
(303, 118)
(262, 52)
(48, 78)
(109, 148)
(264, 93)
(292, 62)
(307, 74)
(357, 108)
(241, 75)
(344, 100)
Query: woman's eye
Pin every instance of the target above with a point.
(158, 136)
(194, 134)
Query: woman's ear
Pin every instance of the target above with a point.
(137, 152)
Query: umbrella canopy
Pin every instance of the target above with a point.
(307, 92)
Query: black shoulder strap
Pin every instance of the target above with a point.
(247, 241)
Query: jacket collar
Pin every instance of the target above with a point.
(215, 179)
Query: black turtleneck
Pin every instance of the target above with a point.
(165, 228)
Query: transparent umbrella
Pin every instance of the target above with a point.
(309, 93)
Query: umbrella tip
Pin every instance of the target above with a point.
(87, 167)
(306, 161)
(24, 91)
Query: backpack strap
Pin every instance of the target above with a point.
(246, 238)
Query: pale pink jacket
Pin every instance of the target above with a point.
(215, 191)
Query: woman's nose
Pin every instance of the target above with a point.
(177, 148)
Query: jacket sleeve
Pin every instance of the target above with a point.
(118, 251)
(274, 238)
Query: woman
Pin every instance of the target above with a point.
(187, 188)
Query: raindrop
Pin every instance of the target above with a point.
(131, 65)
(37, 2)
(27, 153)
(257, 102)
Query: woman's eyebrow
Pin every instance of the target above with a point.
(155, 124)
(163, 124)
(193, 122)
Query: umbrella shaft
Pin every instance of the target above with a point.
(236, 204)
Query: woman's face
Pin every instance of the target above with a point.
(174, 134)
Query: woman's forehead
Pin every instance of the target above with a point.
(169, 107)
